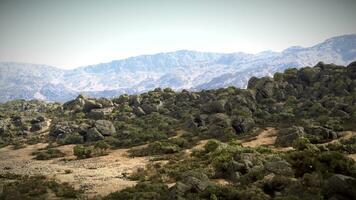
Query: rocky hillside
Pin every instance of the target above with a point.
(292, 136)
(178, 70)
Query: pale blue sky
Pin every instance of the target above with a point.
(74, 33)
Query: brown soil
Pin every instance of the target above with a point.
(267, 137)
(96, 176)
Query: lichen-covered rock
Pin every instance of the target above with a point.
(287, 136)
(105, 127)
(322, 132)
(280, 167)
(190, 181)
(93, 135)
(62, 129)
(90, 105)
(99, 113)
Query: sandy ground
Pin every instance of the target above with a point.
(96, 176)
(266, 138)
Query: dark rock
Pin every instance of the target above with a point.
(341, 187)
(93, 135)
(36, 127)
(351, 70)
(62, 129)
(323, 132)
(138, 111)
(243, 124)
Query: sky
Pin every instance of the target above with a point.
(73, 33)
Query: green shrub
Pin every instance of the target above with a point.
(74, 138)
(82, 151)
(142, 191)
(48, 154)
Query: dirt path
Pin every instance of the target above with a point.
(96, 176)
(352, 156)
(266, 138)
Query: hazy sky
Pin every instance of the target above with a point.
(72, 33)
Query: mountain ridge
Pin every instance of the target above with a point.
(182, 69)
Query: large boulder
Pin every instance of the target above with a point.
(243, 124)
(138, 111)
(279, 167)
(219, 125)
(322, 132)
(93, 135)
(190, 181)
(286, 137)
(76, 104)
(105, 127)
(341, 187)
(264, 87)
(99, 113)
(149, 107)
(82, 103)
(135, 100)
(62, 129)
(90, 105)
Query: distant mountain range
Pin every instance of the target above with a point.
(182, 69)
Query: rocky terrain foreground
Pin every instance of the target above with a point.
(292, 136)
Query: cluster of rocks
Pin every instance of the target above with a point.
(287, 136)
(95, 131)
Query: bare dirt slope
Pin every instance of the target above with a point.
(96, 176)
(266, 138)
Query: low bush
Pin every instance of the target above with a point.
(82, 151)
(48, 154)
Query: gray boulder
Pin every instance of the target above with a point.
(99, 113)
(93, 135)
(91, 104)
(279, 167)
(191, 181)
(62, 129)
(105, 127)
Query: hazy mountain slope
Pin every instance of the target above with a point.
(179, 70)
